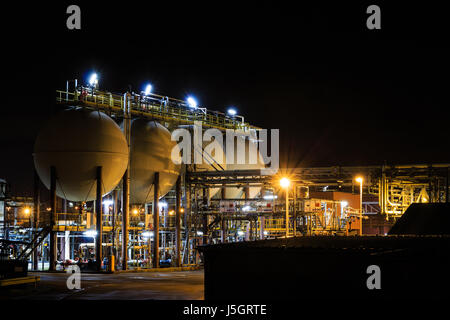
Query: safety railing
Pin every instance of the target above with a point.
(152, 106)
(274, 225)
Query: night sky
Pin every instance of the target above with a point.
(339, 93)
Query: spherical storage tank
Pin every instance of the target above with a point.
(249, 146)
(76, 142)
(151, 151)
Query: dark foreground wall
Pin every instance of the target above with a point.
(328, 268)
(424, 219)
(13, 268)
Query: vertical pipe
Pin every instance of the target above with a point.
(125, 218)
(430, 187)
(287, 212)
(205, 215)
(52, 258)
(37, 205)
(114, 215)
(223, 226)
(187, 221)
(261, 227)
(156, 221)
(294, 196)
(178, 222)
(246, 197)
(360, 207)
(99, 213)
(261, 218)
(446, 185)
(126, 184)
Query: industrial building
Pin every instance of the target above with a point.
(108, 195)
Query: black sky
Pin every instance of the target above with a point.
(340, 94)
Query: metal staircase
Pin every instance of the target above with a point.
(37, 240)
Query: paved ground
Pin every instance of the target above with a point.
(179, 285)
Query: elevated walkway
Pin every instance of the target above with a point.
(153, 107)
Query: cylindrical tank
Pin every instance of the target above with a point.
(76, 142)
(150, 152)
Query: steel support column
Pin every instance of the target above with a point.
(114, 215)
(53, 243)
(156, 221)
(99, 220)
(126, 182)
(125, 218)
(178, 223)
(37, 205)
(187, 220)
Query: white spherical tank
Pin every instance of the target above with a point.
(249, 146)
(76, 142)
(150, 152)
(212, 161)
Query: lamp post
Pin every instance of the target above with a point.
(27, 212)
(360, 181)
(284, 182)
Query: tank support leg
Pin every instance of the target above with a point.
(52, 258)
(156, 221)
(99, 216)
(37, 204)
(178, 223)
(125, 215)
(187, 222)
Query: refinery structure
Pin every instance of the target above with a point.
(108, 195)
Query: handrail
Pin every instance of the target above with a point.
(152, 106)
(38, 238)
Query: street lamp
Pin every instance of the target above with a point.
(360, 181)
(27, 212)
(285, 182)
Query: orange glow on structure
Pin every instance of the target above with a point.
(285, 182)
